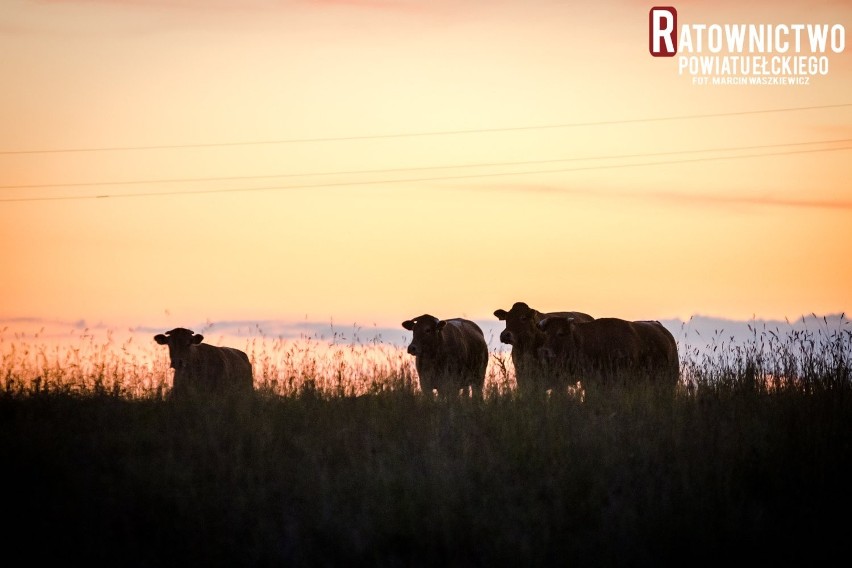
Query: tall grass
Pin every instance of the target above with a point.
(82, 362)
(773, 359)
(136, 367)
(340, 460)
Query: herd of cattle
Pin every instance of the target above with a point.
(549, 351)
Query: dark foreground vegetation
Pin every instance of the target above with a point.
(397, 479)
(749, 462)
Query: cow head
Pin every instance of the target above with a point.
(179, 341)
(427, 334)
(520, 324)
(558, 333)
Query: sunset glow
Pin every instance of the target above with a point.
(369, 161)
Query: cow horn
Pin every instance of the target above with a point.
(543, 323)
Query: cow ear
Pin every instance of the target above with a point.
(198, 338)
(543, 323)
(501, 314)
(440, 325)
(161, 339)
(408, 324)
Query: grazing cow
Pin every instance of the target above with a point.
(202, 369)
(525, 337)
(608, 350)
(450, 355)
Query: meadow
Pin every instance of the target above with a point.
(339, 459)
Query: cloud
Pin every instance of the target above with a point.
(387, 5)
(109, 18)
(249, 5)
(320, 331)
(699, 335)
(176, 4)
(45, 322)
(50, 329)
(702, 333)
(763, 201)
(685, 198)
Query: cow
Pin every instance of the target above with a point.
(609, 351)
(205, 370)
(449, 355)
(525, 337)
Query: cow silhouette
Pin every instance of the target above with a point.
(450, 355)
(526, 338)
(610, 351)
(205, 370)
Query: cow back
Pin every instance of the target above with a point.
(460, 361)
(216, 370)
(578, 317)
(661, 354)
(610, 348)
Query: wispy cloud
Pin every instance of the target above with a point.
(760, 201)
(686, 198)
(45, 322)
(704, 332)
(320, 331)
(388, 5)
(76, 18)
(178, 4)
(243, 330)
(697, 332)
(250, 5)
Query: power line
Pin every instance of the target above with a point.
(423, 134)
(424, 168)
(412, 180)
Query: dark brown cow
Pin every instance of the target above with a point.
(525, 337)
(450, 355)
(202, 369)
(607, 350)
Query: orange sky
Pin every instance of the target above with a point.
(756, 236)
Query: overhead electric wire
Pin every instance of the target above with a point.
(424, 134)
(413, 180)
(422, 168)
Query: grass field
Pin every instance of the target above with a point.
(340, 460)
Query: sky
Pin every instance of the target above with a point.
(164, 163)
